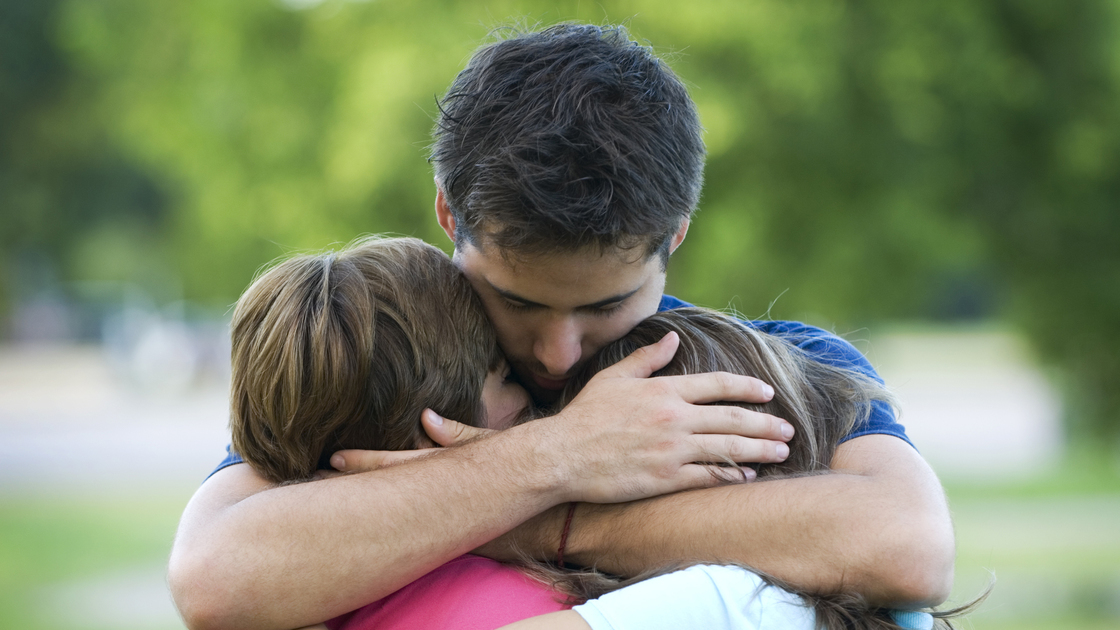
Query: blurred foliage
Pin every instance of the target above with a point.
(868, 160)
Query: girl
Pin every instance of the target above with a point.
(823, 403)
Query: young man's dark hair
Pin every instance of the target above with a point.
(566, 138)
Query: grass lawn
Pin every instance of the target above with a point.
(1053, 545)
(69, 563)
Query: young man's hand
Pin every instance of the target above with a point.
(627, 436)
(441, 432)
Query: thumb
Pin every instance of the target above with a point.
(647, 359)
(357, 461)
(449, 432)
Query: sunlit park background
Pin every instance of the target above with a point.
(937, 181)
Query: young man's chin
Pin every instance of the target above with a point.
(544, 391)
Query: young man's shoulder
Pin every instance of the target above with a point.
(827, 348)
(819, 343)
(796, 331)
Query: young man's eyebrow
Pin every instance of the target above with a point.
(513, 297)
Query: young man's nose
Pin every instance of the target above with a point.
(559, 347)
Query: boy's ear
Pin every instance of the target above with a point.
(444, 216)
(678, 238)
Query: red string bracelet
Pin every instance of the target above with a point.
(564, 534)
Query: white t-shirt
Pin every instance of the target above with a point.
(705, 596)
(711, 597)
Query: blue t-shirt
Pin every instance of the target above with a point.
(819, 344)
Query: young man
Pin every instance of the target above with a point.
(568, 163)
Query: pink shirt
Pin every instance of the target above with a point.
(468, 593)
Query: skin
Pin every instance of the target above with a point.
(563, 620)
(878, 526)
(503, 398)
(554, 311)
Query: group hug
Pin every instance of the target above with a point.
(529, 434)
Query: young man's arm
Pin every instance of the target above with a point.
(248, 555)
(879, 526)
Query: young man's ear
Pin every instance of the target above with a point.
(443, 213)
(678, 238)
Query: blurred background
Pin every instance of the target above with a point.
(938, 182)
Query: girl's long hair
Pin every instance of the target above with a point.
(824, 403)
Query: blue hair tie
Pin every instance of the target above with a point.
(913, 619)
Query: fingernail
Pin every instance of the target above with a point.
(748, 473)
(768, 391)
(782, 451)
(787, 430)
(338, 462)
(434, 417)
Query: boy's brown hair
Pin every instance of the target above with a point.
(345, 349)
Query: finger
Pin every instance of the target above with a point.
(733, 448)
(704, 475)
(725, 474)
(448, 432)
(712, 387)
(732, 420)
(355, 461)
(647, 359)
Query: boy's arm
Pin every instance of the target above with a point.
(248, 555)
(878, 525)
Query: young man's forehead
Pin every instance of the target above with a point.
(632, 252)
(591, 276)
(555, 261)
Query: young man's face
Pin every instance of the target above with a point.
(553, 312)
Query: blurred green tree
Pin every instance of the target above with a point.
(64, 183)
(945, 160)
(867, 160)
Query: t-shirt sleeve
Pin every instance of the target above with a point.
(703, 596)
(230, 459)
(832, 350)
